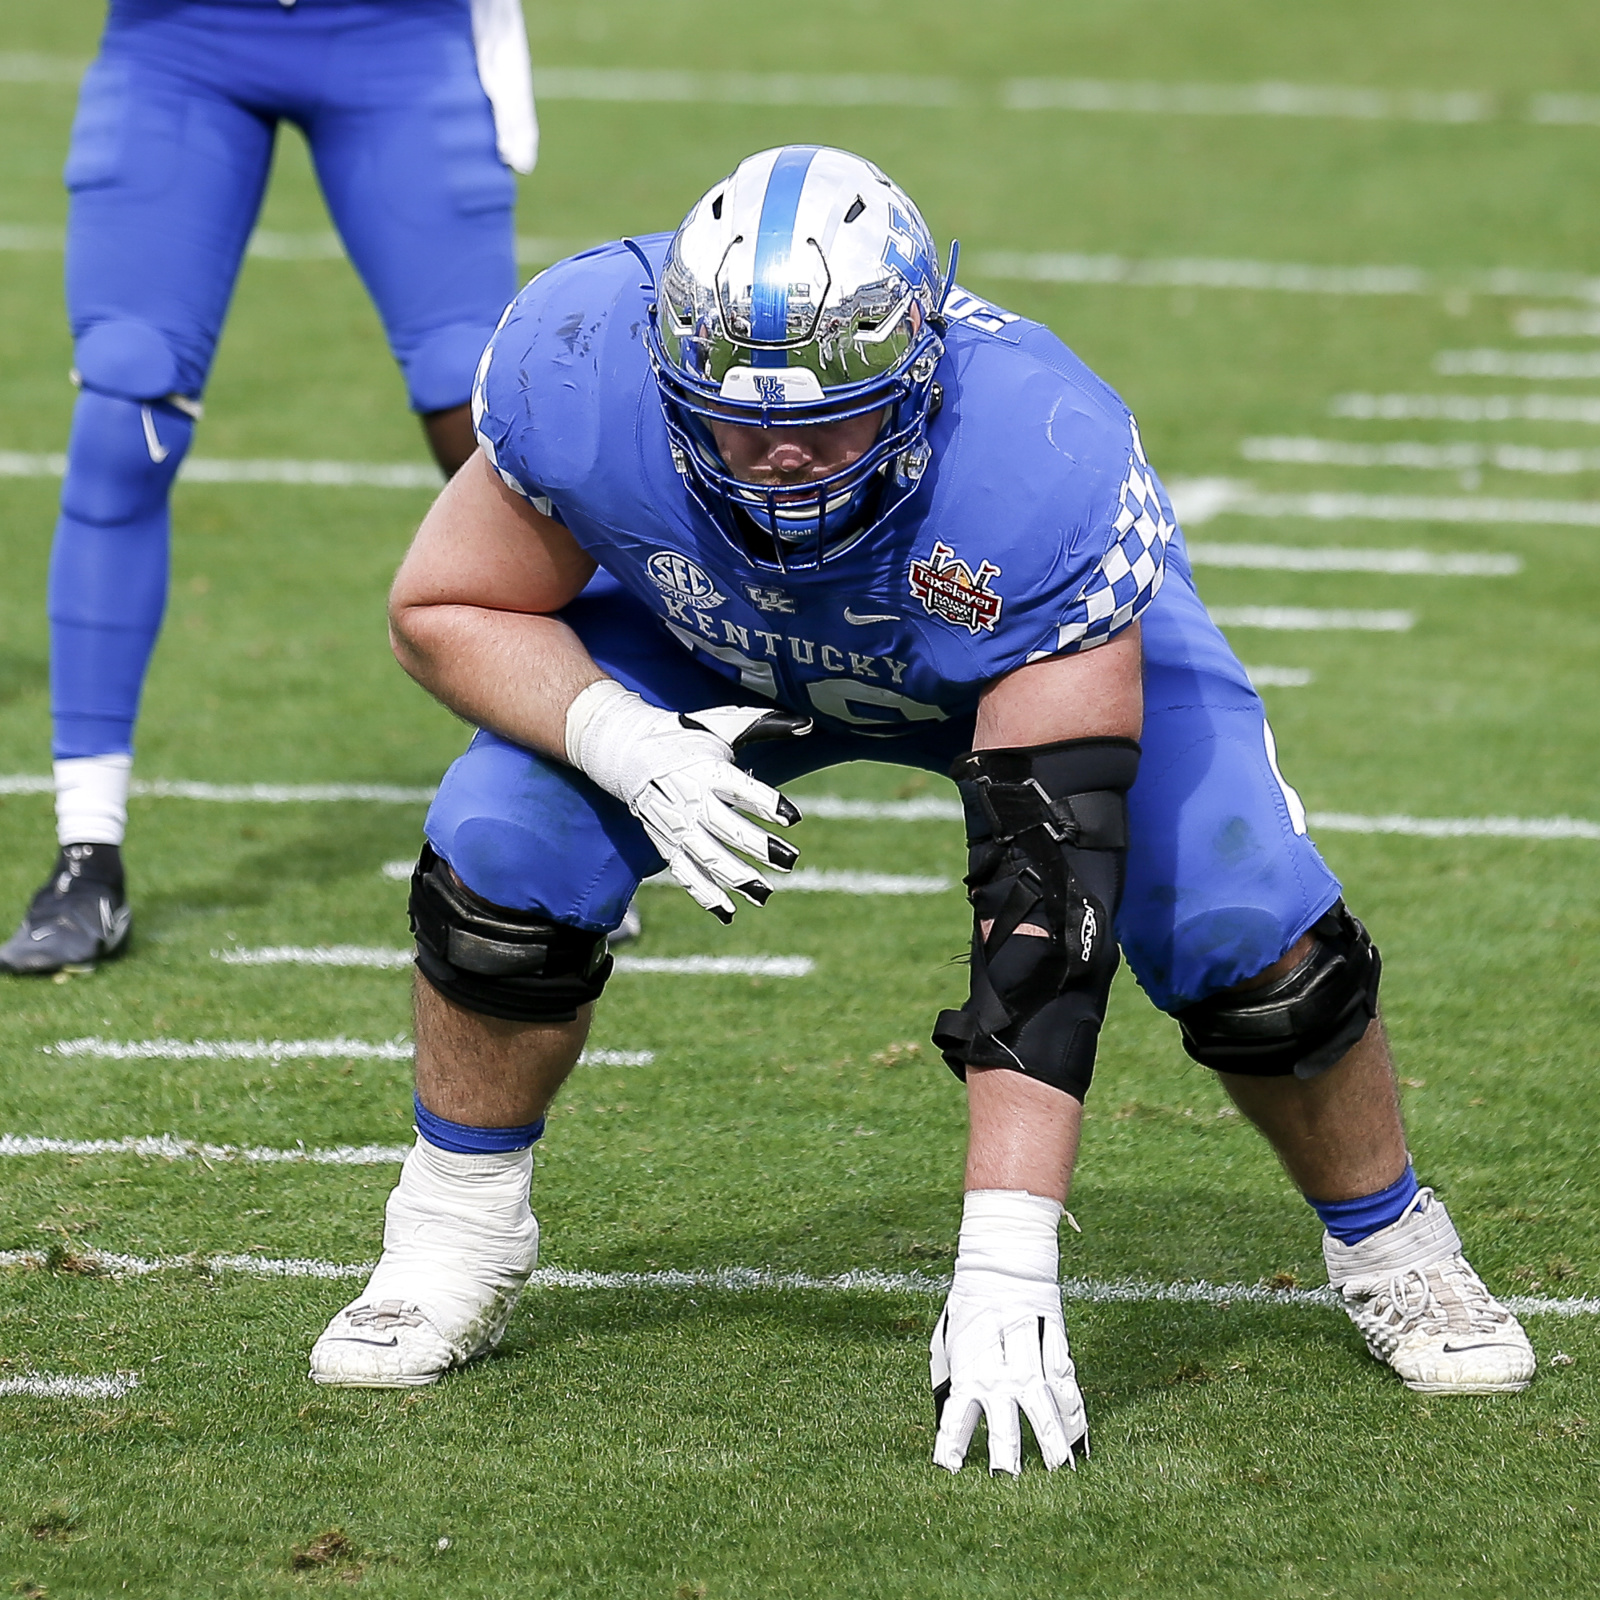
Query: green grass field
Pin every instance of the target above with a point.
(702, 1441)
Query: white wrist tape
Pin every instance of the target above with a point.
(1009, 1232)
(585, 705)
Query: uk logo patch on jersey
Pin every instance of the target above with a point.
(949, 589)
(765, 598)
(679, 577)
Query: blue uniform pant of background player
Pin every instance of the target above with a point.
(169, 160)
(1221, 877)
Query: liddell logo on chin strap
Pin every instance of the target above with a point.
(680, 578)
(948, 588)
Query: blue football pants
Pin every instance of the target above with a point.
(168, 163)
(1221, 880)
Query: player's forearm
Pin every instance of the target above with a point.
(1022, 1134)
(506, 671)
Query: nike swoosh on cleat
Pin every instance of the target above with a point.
(377, 1344)
(1461, 1349)
(871, 617)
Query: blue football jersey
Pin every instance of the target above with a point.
(1038, 529)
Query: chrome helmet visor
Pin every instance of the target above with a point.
(802, 290)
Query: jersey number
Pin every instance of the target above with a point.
(831, 696)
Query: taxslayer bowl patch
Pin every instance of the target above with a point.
(950, 589)
(683, 580)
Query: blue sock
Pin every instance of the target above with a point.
(1351, 1221)
(469, 1141)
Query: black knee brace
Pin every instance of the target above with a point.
(1304, 1021)
(512, 964)
(1047, 836)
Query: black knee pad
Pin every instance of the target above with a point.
(502, 963)
(1301, 1023)
(1047, 835)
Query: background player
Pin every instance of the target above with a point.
(837, 499)
(168, 164)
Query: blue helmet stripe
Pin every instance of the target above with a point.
(769, 297)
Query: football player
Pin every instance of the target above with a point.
(771, 494)
(168, 162)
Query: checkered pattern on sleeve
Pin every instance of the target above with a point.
(1129, 574)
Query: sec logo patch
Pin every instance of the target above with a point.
(683, 580)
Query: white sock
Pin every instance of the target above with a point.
(92, 799)
(458, 1233)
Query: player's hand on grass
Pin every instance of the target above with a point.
(999, 1349)
(677, 775)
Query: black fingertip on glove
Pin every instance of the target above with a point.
(783, 856)
(788, 812)
(775, 725)
(758, 892)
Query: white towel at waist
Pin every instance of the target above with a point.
(500, 38)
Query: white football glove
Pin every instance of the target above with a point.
(1000, 1344)
(676, 774)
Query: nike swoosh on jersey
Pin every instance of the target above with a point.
(870, 617)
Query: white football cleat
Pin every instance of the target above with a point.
(459, 1241)
(1424, 1311)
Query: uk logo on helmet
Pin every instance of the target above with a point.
(680, 577)
(950, 589)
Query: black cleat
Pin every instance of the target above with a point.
(79, 917)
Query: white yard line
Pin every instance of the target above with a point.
(755, 1280)
(287, 1050)
(1248, 100)
(1285, 277)
(836, 807)
(1310, 619)
(1280, 677)
(386, 957)
(33, 66)
(36, 1386)
(665, 86)
(1459, 456)
(271, 794)
(1580, 365)
(1311, 558)
(168, 1147)
(1199, 500)
(935, 809)
(1456, 827)
(819, 880)
(721, 966)
(1529, 324)
(659, 86)
(1467, 407)
(1035, 266)
(208, 469)
(321, 955)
